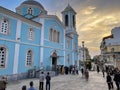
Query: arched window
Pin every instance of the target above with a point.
(30, 11)
(58, 36)
(4, 26)
(51, 34)
(66, 20)
(3, 53)
(29, 61)
(54, 35)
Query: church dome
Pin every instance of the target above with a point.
(33, 2)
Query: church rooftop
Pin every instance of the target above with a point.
(68, 8)
(33, 2)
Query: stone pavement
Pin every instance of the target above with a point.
(67, 82)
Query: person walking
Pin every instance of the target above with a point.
(41, 81)
(86, 74)
(108, 80)
(48, 78)
(103, 72)
(112, 77)
(4, 83)
(82, 71)
(63, 70)
(98, 70)
(31, 86)
(117, 79)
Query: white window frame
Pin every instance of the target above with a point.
(28, 64)
(6, 55)
(4, 27)
(30, 11)
(30, 34)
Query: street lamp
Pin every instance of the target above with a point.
(83, 53)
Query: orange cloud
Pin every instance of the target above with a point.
(93, 27)
(88, 10)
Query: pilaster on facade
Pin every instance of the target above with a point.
(42, 43)
(17, 46)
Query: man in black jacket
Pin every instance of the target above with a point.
(108, 80)
(117, 79)
(48, 78)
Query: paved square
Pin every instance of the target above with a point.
(67, 82)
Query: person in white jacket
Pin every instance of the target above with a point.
(41, 80)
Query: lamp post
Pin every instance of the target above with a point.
(83, 54)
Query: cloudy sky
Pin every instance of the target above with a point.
(94, 20)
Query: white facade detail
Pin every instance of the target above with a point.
(42, 44)
(16, 56)
(18, 31)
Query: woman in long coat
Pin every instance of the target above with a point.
(86, 74)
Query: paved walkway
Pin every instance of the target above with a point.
(67, 82)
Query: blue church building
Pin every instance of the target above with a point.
(31, 38)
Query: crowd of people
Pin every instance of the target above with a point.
(42, 77)
(61, 69)
(113, 76)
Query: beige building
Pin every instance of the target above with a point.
(110, 48)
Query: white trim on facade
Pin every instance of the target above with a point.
(16, 57)
(64, 48)
(72, 52)
(42, 43)
(8, 40)
(18, 31)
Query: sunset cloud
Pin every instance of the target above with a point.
(89, 10)
(94, 27)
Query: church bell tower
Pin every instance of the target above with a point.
(69, 18)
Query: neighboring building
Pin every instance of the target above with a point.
(31, 38)
(110, 48)
(83, 54)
